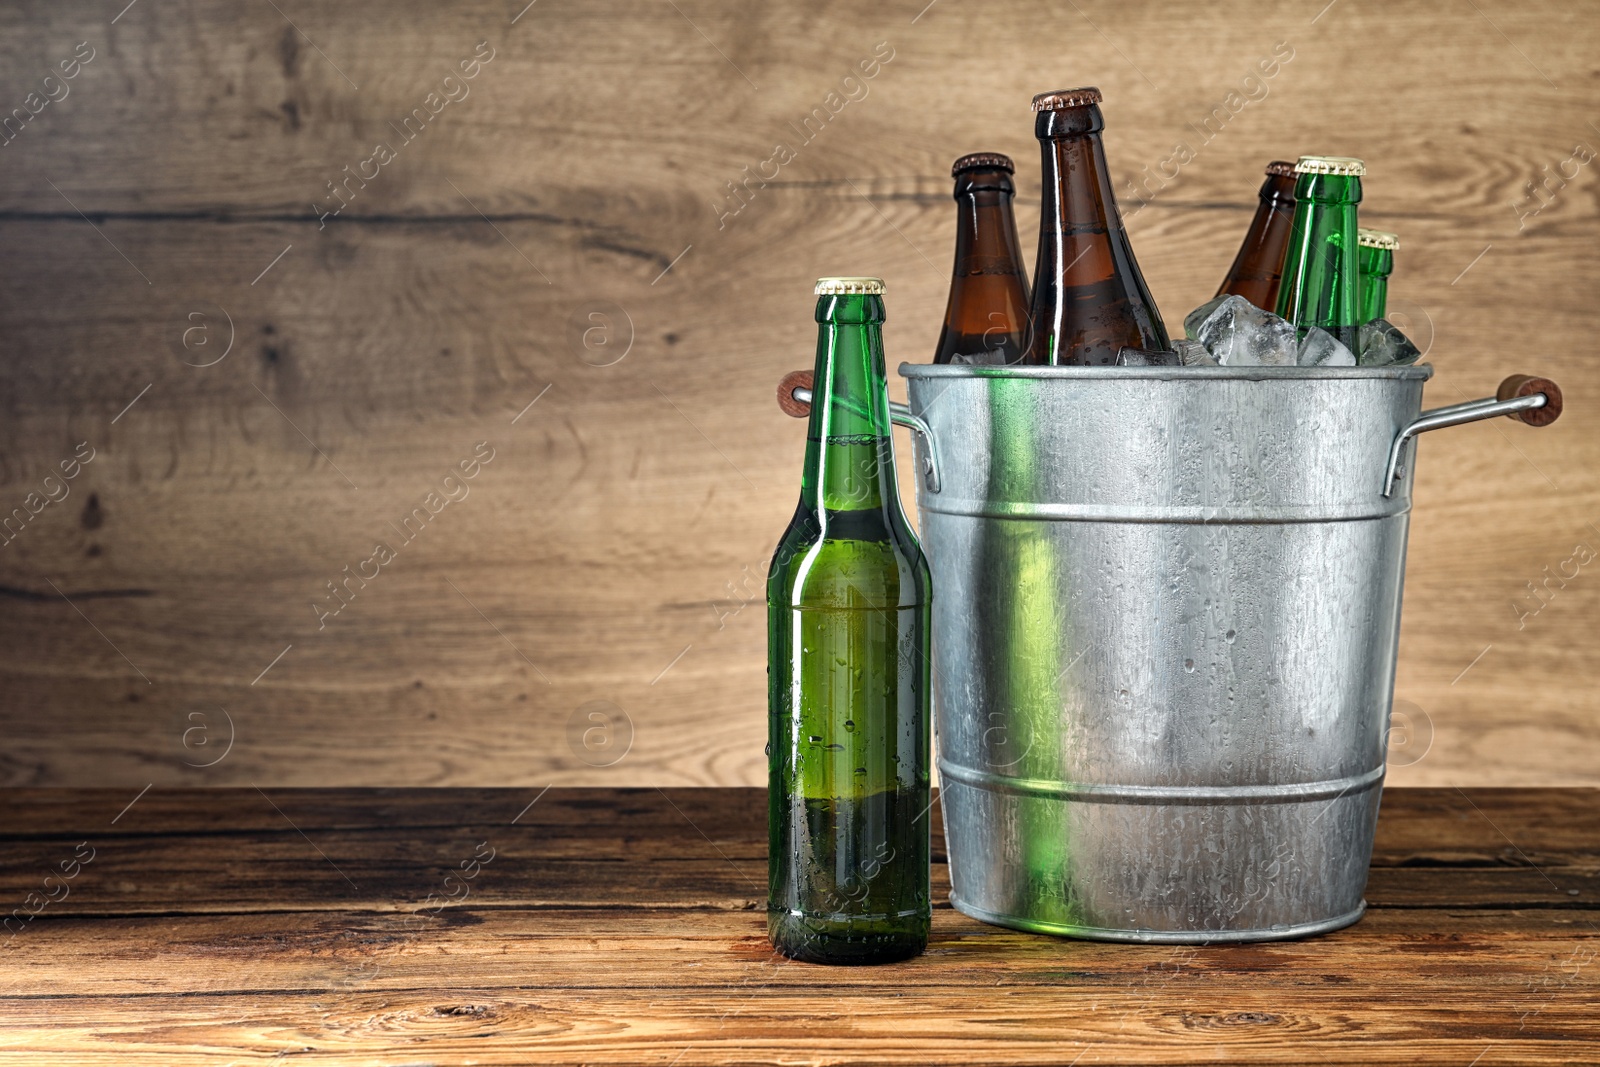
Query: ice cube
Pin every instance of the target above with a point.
(1192, 321)
(1239, 334)
(1193, 353)
(1143, 357)
(1383, 345)
(1319, 348)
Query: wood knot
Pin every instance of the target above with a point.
(1232, 1019)
(456, 1011)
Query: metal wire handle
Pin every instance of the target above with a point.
(1535, 401)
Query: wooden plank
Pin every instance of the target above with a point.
(714, 951)
(292, 122)
(1474, 825)
(464, 1025)
(727, 816)
(383, 872)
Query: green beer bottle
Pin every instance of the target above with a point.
(1321, 279)
(847, 669)
(1376, 263)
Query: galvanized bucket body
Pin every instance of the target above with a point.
(1166, 613)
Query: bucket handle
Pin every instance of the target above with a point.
(794, 397)
(1535, 401)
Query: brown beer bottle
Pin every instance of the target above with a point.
(986, 320)
(1089, 299)
(1258, 267)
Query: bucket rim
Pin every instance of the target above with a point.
(1416, 373)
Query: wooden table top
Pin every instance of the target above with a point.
(626, 926)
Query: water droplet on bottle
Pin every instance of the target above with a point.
(1230, 635)
(835, 748)
(861, 771)
(768, 749)
(850, 724)
(1188, 665)
(814, 739)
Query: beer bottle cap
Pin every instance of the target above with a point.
(1280, 168)
(1063, 99)
(1330, 165)
(983, 161)
(1377, 239)
(840, 286)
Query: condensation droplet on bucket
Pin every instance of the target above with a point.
(1188, 665)
(1230, 635)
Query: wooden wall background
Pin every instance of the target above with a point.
(606, 551)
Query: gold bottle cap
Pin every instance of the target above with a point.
(983, 161)
(1280, 168)
(1343, 165)
(841, 286)
(1062, 99)
(1377, 239)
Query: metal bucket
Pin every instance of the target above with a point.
(1165, 619)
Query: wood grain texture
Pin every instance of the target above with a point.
(626, 926)
(613, 550)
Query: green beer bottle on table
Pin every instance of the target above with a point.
(1321, 277)
(1375, 260)
(847, 628)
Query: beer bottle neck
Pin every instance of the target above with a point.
(849, 453)
(1258, 267)
(985, 318)
(1277, 192)
(1376, 264)
(1076, 198)
(1321, 276)
(985, 232)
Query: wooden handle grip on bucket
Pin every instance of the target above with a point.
(791, 405)
(1527, 385)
